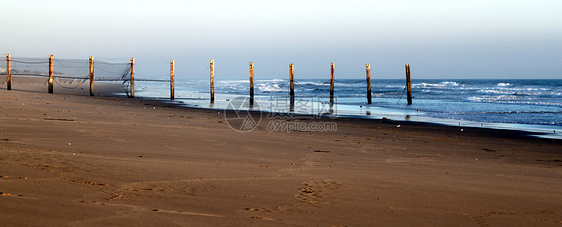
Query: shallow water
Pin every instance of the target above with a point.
(532, 105)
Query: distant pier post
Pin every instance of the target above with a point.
(292, 84)
(212, 80)
(172, 74)
(51, 74)
(368, 69)
(332, 69)
(251, 83)
(9, 72)
(91, 75)
(132, 82)
(409, 84)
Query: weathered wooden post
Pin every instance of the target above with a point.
(368, 68)
(132, 82)
(251, 83)
(9, 72)
(91, 75)
(332, 68)
(408, 84)
(51, 74)
(292, 84)
(212, 80)
(172, 73)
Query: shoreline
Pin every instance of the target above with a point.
(400, 115)
(503, 129)
(80, 160)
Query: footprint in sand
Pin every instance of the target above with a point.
(312, 194)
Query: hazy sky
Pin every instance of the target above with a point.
(454, 39)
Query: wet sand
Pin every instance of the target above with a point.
(91, 161)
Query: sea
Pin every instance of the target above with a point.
(528, 105)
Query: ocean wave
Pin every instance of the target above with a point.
(504, 85)
(441, 84)
(494, 97)
(269, 88)
(512, 100)
(271, 81)
(450, 84)
(494, 91)
(310, 83)
(232, 81)
(519, 92)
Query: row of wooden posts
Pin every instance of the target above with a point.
(292, 82)
(212, 88)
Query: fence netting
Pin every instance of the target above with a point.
(69, 75)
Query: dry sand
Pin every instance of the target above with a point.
(91, 161)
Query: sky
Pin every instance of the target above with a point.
(454, 39)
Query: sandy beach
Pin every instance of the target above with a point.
(94, 161)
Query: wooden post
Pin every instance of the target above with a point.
(408, 84)
(368, 68)
(292, 82)
(172, 73)
(212, 80)
(91, 75)
(51, 74)
(332, 68)
(9, 71)
(132, 82)
(251, 83)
